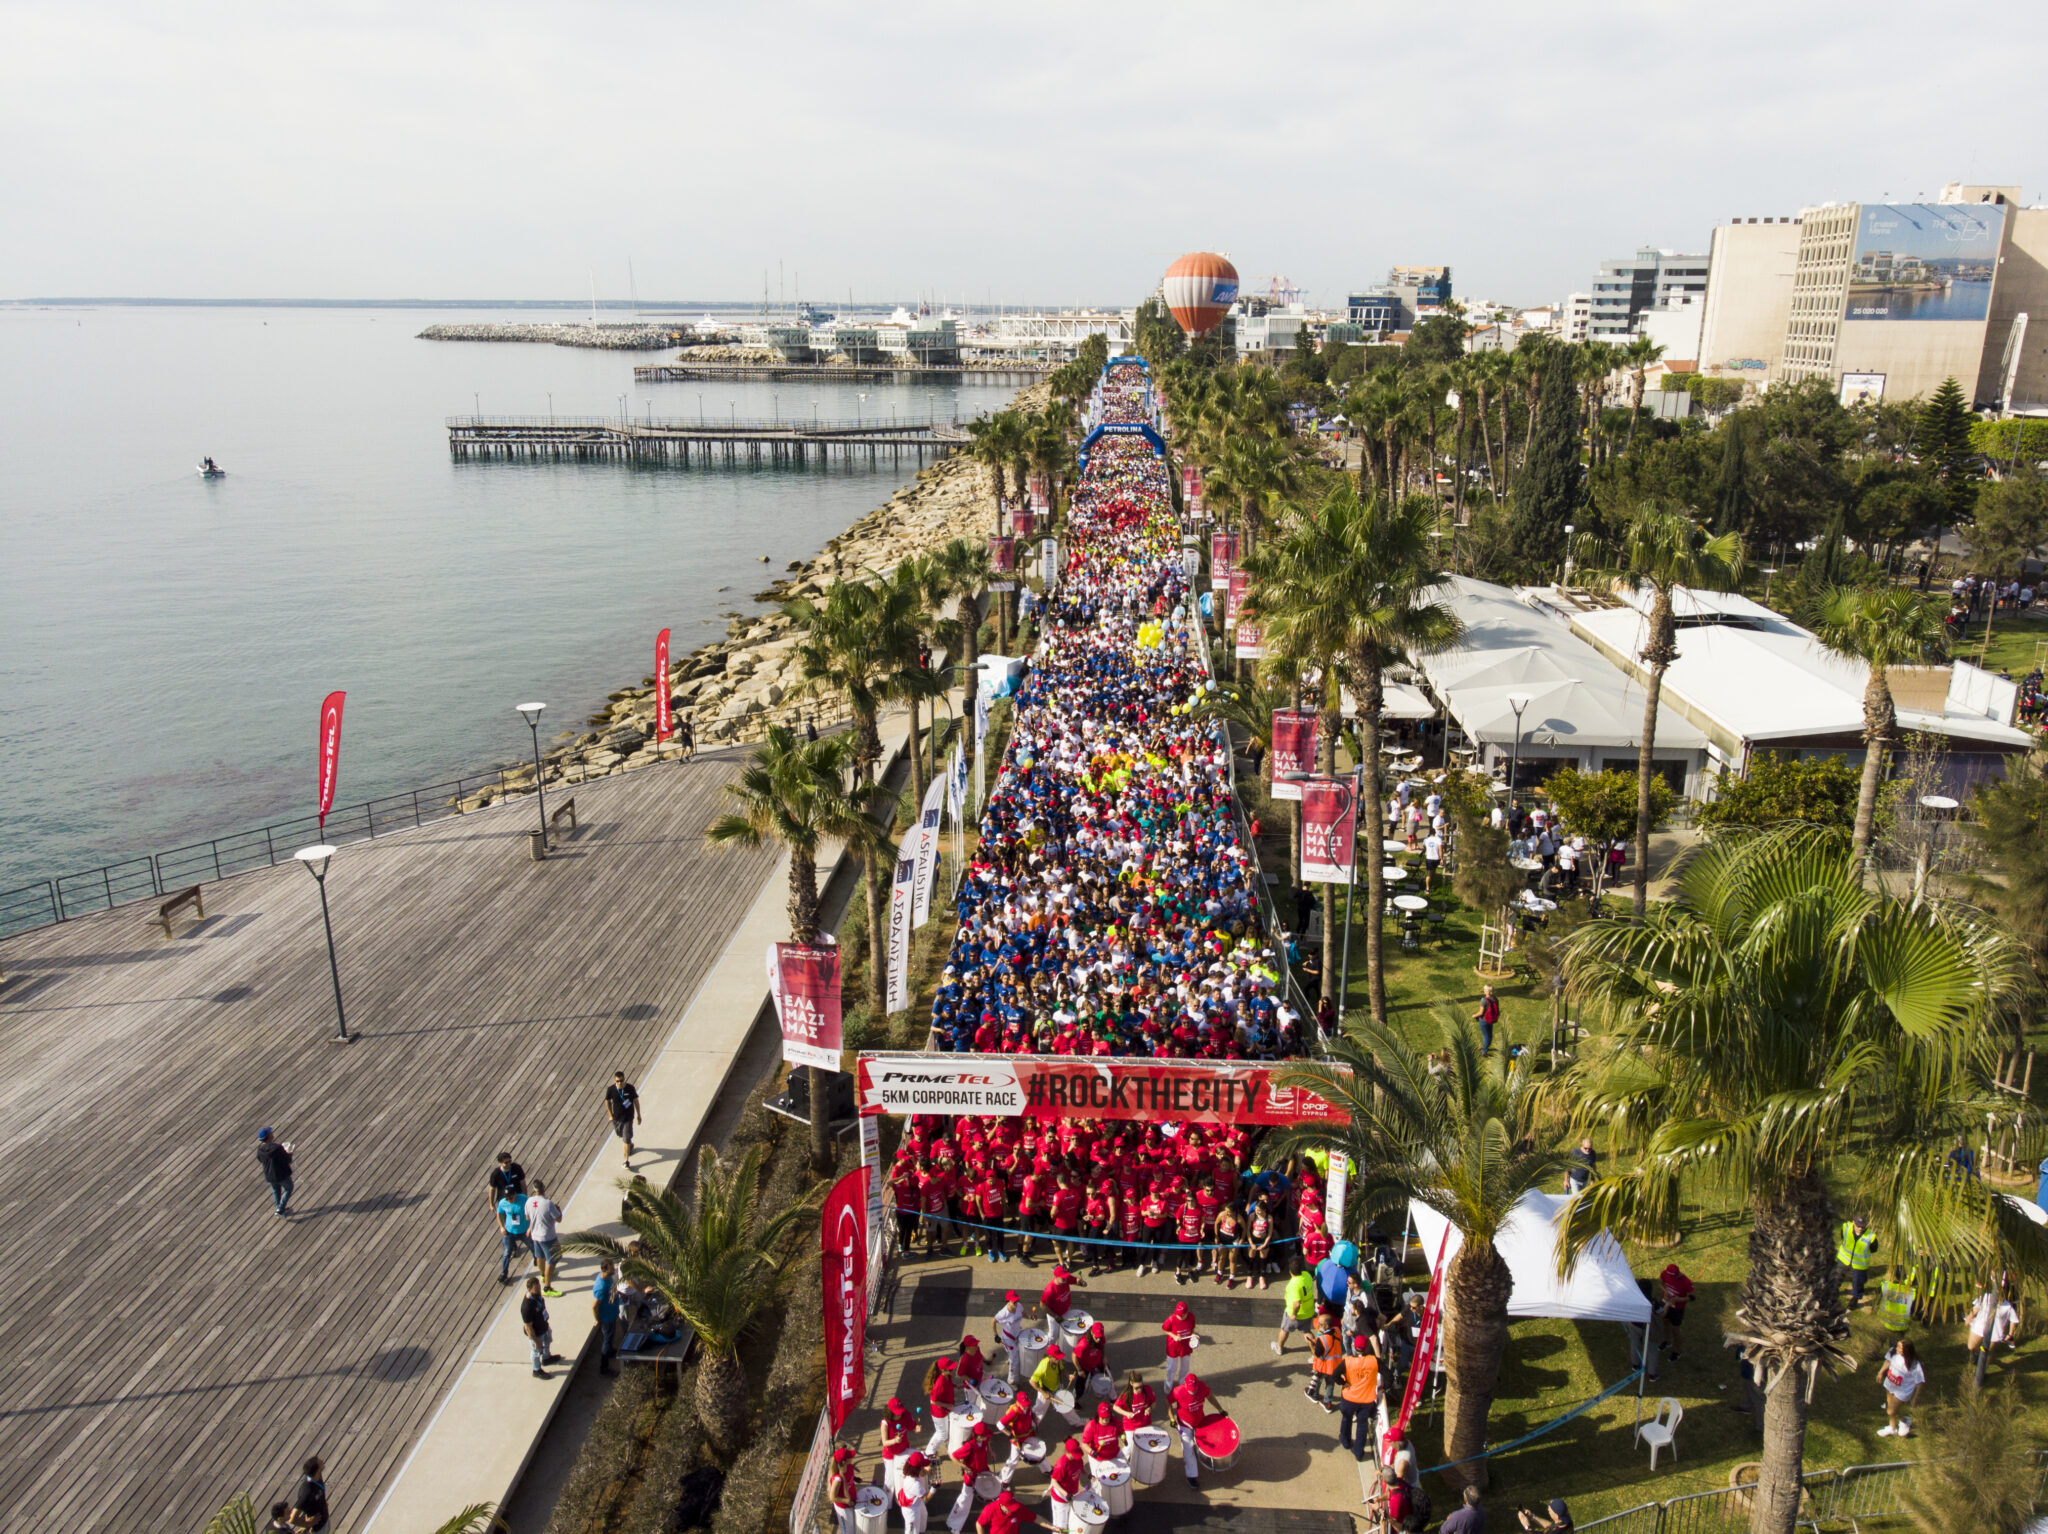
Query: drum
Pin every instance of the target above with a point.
(1113, 1481)
(1091, 1513)
(960, 1427)
(1063, 1400)
(987, 1487)
(996, 1397)
(1216, 1442)
(1032, 1451)
(1101, 1385)
(871, 1510)
(1149, 1447)
(1075, 1324)
(1036, 1340)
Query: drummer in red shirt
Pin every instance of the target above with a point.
(1057, 1298)
(1134, 1404)
(1005, 1515)
(1100, 1438)
(1191, 1400)
(843, 1487)
(1019, 1423)
(1179, 1327)
(1067, 1474)
(896, 1429)
(944, 1393)
(972, 1457)
(972, 1367)
(1089, 1353)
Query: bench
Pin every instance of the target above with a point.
(568, 808)
(188, 897)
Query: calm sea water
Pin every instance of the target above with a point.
(165, 641)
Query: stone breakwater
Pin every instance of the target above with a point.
(733, 689)
(616, 338)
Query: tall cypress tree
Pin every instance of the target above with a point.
(1546, 494)
(1732, 492)
(1941, 436)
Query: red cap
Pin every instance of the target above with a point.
(916, 1462)
(1054, 1351)
(841, 1455)
(1012, 1297)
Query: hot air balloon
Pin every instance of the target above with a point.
(1200, 288)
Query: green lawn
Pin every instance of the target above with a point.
(1551, 1366)
(2016, 643)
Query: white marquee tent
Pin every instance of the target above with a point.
(1600, 1286)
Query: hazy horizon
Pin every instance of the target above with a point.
(1054, 156)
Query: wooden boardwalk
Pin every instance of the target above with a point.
(169, 1340)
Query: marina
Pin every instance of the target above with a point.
(699, 443)
(1017, 374)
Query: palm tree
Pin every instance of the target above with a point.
(1357, 581)
(1637, 356)
(1890, 626)
(1777, 1030)
(910, 681)
(1491, 380)
(1458, 1144)
(794, 793)
(963, 572)
(1665, 550)
(716, 1261)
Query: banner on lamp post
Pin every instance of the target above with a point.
(1025, 523)
(843, 1253)
(1002, 561)
(1238, 588)
(1426, 1339)
(330, 750)
(1294, 747)
(1222, 559)
(901, 889)
(1329, 829)
(803, 979)
(927, 851)
(1251, 640)
(1334, 1192)
(664, 719)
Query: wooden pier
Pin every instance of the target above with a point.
(1018, 374)
(686, 444)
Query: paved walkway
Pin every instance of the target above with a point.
(169, 1340)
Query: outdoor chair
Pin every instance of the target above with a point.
(1661, 1431)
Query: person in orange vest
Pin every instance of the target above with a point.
(1326, 1347)
(1067, 1474)
(1358, 1399)
(1191, 1399)
(843, 1486)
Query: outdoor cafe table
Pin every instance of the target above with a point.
(1410, 903)
(1393, 848)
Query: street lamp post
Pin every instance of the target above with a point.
(315, 860)
(531, 713)
(1516, 701)
(1350, 789)
(1566, 578)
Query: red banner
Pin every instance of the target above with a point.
(664, 725)
(1222, 556)
(1251, 640)
(1294, 749)
(1075, 1087)
(330, 750)
(1240, 584)
(1002, 553)
(1425, 1341)
(843, 1244)
(805, 984)
(1329, 830)
(1026, 523)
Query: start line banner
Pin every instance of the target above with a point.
(1076, 1087)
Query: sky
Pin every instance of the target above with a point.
(1044, 154)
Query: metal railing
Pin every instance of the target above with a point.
(1855, 1495)
(869, 425)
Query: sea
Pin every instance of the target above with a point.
(166, 640)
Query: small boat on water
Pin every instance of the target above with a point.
(208, 469)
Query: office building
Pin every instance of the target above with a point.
(1650, 279)
(1750, 267)
(1409, 294)
(1576, 316)
(1270, 335)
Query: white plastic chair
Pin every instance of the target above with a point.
(1661, 1431)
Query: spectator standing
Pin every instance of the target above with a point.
(309, 1508)
(1326, 1347)
(533, 1318)
(275, 1157)
(622, 1107)
(1487, 1017)
(1582, 1166)
(508, 1179)
(280, 1519)
(604, 1308)
(1298, 1306)
(1677, 1295)
(1470, 1518)
(543, 1234)
(1993, 1319)
(1358, 1399)
(511, 1234)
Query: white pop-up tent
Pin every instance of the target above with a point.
(1600, 1286)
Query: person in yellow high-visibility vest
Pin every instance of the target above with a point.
(1895, 1299)
(1853, 1250)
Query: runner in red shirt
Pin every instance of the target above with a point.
(1066, 1221)
(1157, 1214)
(1188, 1223)
(967, 1205)
(994, 1197)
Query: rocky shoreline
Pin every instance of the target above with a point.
(614, 338)
(734, 688)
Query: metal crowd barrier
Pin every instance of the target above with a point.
(1853, 1496)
